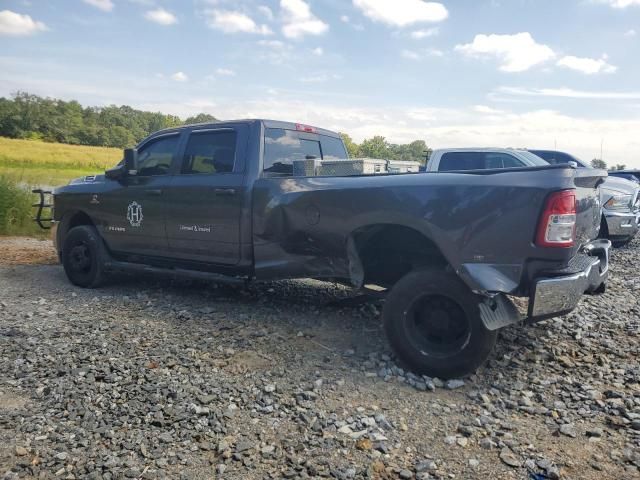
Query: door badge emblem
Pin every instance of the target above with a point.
(134, 214)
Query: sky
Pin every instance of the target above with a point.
(466, 73)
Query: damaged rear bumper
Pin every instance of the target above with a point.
(558, 295)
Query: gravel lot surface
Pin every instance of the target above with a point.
(160, 379)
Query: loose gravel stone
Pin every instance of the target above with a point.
(152, 378)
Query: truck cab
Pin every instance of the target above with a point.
(189, 199)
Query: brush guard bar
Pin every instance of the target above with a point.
(45, 203)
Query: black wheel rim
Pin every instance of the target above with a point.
(79, 257)
(438, 326)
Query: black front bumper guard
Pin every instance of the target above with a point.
(44, 203)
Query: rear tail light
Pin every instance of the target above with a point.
(557, 226)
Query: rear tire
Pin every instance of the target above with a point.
(83, 257)
(433, 323)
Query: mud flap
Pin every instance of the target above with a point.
(498, 312)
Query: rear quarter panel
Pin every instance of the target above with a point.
(301, 225)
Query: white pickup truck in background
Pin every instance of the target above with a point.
(456, 159)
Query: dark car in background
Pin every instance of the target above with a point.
(620, 200)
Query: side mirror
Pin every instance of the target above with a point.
(128, 166)
(131, 161)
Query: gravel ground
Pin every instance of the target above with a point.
(26, 251)
(161, 379)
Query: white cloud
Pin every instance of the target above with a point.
(517, 53)
(229, 21)
(620, 3)
(401, 13)
(225, 72)
(161, 16)
(320, 78)
(588, 66)
(444, 127)
(630, 33)
(180, 77)
(16, 24)
(319, 51)
(274, 52)
(429, 32)
(271, 43)
(266, 12)
(419, 55)
(567, 93)
(299, 20)
(344, 18)
(410, 55)
(434, 52)
(487, 110)
(104, 5)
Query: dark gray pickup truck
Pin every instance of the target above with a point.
(223, 201)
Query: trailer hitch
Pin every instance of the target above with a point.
(44, 223)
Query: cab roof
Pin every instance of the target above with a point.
(266, 122)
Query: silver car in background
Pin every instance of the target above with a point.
(620, 201)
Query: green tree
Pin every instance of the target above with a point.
(618, 166)
(200, 118)
(598, 163)
(352, 148)
(376, 147)
(415, 151)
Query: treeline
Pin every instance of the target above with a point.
(29, 116)
(598, 163)
(378, 147)
(32, 117)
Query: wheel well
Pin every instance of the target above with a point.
(386, 253)
(79, 218)
(73, 220)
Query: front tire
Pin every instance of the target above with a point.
(83, 255)
(432, 320)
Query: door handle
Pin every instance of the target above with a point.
(154, 191)
(225, 192)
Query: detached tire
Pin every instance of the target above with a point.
(83, 256)
(432, 321)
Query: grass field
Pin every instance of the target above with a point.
(27, 163)
(32, 162)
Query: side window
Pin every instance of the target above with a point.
(461, 161)
(210, 152)
(563, 158)
(332, 148)
(501, 160)
(282, 147)
(554, 158)
(155, 158)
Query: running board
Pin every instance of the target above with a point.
(127, 267)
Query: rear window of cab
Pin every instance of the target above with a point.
(283, 147)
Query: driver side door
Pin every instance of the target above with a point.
(134, 222)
